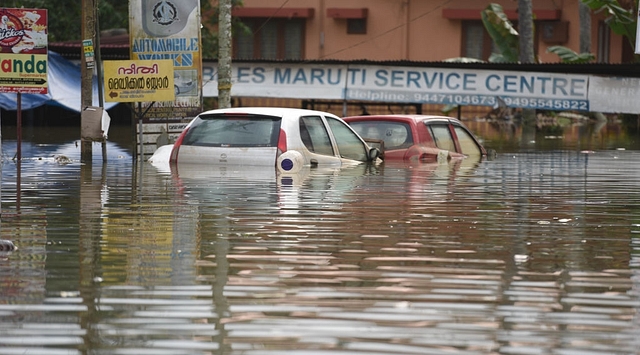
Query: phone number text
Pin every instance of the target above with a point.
(467, 99)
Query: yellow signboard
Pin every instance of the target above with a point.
(139, 80)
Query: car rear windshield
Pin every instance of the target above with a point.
(234, 131)
(396, 135)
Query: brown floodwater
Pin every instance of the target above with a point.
(534, 252)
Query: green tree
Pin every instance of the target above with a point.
(584, 13)
(64, 16)
(502, 33)
(210, 27)
(569, 56)
(620, 18)
(525, 26)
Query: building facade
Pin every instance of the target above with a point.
(413, 30)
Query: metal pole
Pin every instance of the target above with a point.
(19, 128)
(140, 133)
(99, 76)
(98, 58)
(1, 163)
(224, 54)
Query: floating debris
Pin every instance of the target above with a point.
(7, 245)
(61, 159)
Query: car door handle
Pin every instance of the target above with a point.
(314, 163)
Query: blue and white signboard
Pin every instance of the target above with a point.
(543, 91)
(468, 87)
(280, 80)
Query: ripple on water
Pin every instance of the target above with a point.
(386, 260)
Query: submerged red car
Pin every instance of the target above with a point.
(422, 138)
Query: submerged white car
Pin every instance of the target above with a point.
(286, 138)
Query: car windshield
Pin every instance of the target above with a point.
(234, 131)
(396, 135)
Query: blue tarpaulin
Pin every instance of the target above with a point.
(64, 88)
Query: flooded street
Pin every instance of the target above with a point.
(534, 252)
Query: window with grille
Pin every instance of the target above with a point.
(476, 42)
(604, 35)
(270, 38)
(357, 26)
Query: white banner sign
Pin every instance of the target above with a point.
(544, 91)
(615, 95)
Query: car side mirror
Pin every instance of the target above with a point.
(491, 154)
(377, 144)
(374, 153)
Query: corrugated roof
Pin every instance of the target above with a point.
(117, 47)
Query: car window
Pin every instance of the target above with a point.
(442, 136)
(396, 135)
(467, 143)
(349, 144)
(315, 136)
(234, 131)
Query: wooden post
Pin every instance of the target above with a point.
(86, 71)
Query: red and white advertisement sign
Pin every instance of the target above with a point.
(23, 51)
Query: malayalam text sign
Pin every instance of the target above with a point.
(138, 80)
(23, 51)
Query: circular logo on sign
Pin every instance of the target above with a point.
(11, 29)
(165, 13)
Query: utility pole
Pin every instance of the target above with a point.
(86, 71)
(224, 53)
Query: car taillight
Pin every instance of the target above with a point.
(176, 146)
(442, 156)
(287, 162)
(428, 158)
(282, 142)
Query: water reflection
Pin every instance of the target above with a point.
(567, 134)
(534, 252)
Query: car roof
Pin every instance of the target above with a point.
(398, 118)
(271, 111)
